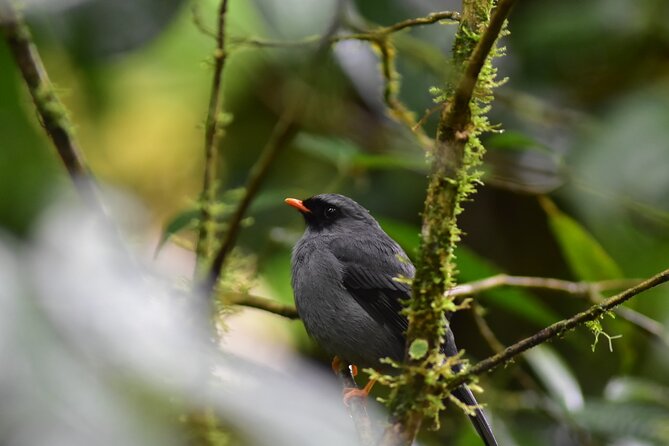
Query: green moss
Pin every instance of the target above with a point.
(456, 173)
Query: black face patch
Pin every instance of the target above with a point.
(322, 213)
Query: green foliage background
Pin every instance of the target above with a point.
(586, 120)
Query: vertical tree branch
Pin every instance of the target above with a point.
(212, 137)
(450, 182)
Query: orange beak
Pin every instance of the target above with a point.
(297, 204)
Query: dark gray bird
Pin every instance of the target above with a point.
(344, 268)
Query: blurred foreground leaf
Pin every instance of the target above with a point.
(556, 376)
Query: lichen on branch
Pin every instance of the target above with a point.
(456, 157)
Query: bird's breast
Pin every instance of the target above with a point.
(331, 315)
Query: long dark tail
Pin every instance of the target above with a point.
(479, 420)
(465, 395)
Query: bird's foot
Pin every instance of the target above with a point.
(354, 392)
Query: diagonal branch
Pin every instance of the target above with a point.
(557, 329)
(282, 133)
(543, 283)
(51, 111)
(260, 303)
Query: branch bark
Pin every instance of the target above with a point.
(260, 303)
(51, 111)
(282, 133)
(557, 329)
(212, 136)
(370, 35)
(439, 234)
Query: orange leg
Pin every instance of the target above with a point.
(358, 393)
(336, 364)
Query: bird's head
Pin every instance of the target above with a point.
(333, 212)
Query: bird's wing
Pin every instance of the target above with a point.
(371, 276)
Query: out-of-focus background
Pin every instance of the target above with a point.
(576, 187)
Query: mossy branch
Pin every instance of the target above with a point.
(212, 137)
(453, 177)
(51, 111)
(260, 303)
(368, 35)
(557, 329)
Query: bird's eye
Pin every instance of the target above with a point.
(330, 212)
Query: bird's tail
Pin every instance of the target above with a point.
(479, 420)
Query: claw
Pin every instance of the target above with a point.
(358, 393)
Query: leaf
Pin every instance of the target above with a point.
(418, 348)
(337, 151)
(345, 154)
(586, 258)
(408, 236)
(556, 377)
(627, 389)
(511, 140)
(618, 420)
(183, 220)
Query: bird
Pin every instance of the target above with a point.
(345, 272)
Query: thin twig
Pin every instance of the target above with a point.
(590, 290)
(429, 112)
(557, 329)
(51, 111)
(579, 289)
(212, 136)
(419, 21)
(260, 303)
(543, 283)
(390, 93)
(282, 133)
(647, 324)
(524, 378)
(368, 35)
(198, 20)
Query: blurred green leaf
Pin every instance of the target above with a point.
(625, 420)
(632, 389)
(585, 256)
(337, 151)
(556, 376)
(183, 220)
(346, 154)
(512, 140)
(474, 267)
(406, 235)
(275, 270)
